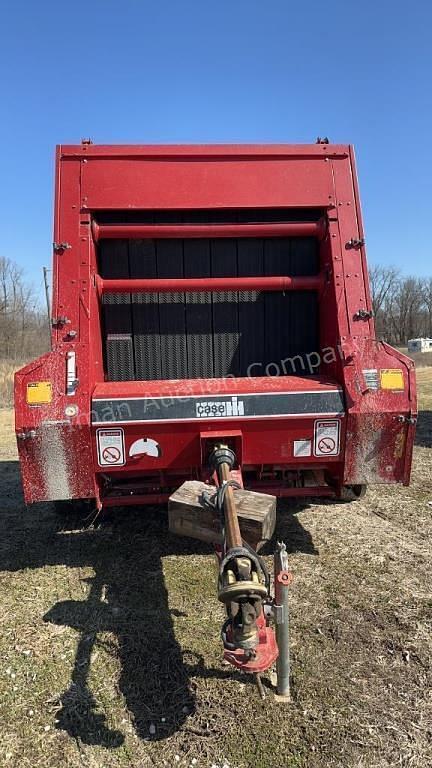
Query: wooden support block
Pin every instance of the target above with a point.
(188, 516)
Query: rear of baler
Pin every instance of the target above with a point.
(206, 295)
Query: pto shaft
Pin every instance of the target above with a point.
(232, 528)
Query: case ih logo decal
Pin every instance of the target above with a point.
(208, 409)
(245, 406)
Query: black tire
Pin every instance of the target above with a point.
(352, 493)
(73, 507)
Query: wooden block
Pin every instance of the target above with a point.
(188, 516)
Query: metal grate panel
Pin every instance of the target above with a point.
(116, 314)
(205, 335)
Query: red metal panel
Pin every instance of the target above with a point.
(353, 270)
(55, 450)
(222, 182)
(368, 299)
(265, 442)
(183, 388)
(379, 433)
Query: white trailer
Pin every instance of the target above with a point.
(419, 345)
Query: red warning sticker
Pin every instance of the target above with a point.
(110, 447)
(327, 432)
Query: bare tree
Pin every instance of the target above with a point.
(385, 285)
(383, 282)
(427, 299)
(407, 310)
(402, 305)
(22, 331)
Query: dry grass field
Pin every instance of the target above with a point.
(7, 370)
(110, 652)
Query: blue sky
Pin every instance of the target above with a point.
(138, 71)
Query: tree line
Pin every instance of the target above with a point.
(402, 305)
(23, 323)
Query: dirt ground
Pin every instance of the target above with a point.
(110, 652)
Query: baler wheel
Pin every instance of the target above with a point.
(81, 508)
(352, 493)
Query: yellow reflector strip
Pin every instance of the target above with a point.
(391, 378)
(39, 392)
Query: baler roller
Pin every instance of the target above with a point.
(157, 231)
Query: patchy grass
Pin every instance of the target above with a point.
(421, 359)
(110, 652)
(424, 383)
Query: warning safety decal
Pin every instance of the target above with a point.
(327, 437)
(110, 447)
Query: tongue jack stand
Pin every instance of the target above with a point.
(282, 580)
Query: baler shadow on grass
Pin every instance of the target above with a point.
(128, 599)
(423, 436)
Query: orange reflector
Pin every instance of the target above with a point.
(392, 378)
(39, 393)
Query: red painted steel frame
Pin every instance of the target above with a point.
(162, 498)
(138, 231)
(57, 441)
(190, 285)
